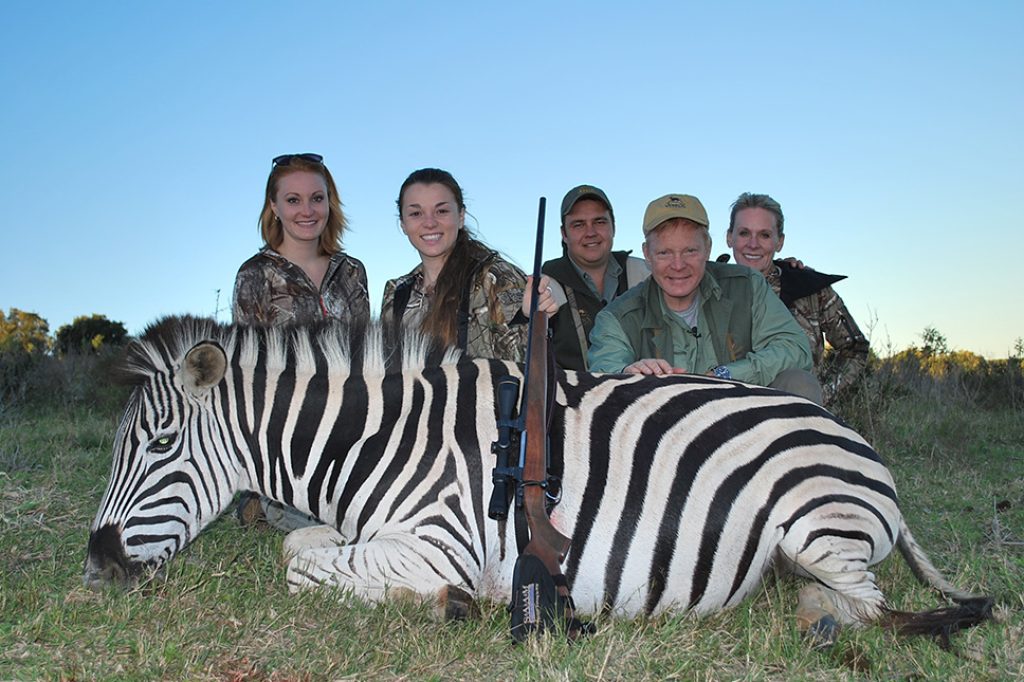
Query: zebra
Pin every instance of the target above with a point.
(679, 492)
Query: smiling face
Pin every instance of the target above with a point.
(677, 253)
(587, 232)
(431, 219)
(302, 207)
(755, 239)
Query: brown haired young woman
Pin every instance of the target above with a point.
(462, 292)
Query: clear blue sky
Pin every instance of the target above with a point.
(137, 138)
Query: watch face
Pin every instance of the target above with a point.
(722, 372)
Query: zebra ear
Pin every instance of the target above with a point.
(204, 366)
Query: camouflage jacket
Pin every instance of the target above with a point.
(271, 290)
(495, 327)
(823, 316)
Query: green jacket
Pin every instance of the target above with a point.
(742, 324)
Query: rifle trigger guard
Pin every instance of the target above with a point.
(553, 490)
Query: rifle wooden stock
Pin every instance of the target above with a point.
(546, 542)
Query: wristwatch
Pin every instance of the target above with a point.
(722, 372)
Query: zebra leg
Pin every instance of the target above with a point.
(392, 567)
(844, 591)
(310, 537)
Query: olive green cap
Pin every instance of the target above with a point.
(583, 192)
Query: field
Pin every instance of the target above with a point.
(224, 612)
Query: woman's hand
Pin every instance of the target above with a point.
(546, 301)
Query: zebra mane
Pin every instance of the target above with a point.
(365, 349)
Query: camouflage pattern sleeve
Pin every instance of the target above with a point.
(346, 295)
(388, 303)
(252, 295)
(848, 358)
(361, 297)
(496, 298)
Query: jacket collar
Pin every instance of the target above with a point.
(796, 283)
(337, 258)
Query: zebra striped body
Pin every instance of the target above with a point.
(678, 492)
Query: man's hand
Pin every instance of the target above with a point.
(652, 367)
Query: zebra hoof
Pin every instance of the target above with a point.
(822, 634)
(457, 604)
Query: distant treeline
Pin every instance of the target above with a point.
(76, 365)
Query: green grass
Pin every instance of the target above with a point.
(223, 612)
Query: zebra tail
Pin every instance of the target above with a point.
(925, 571)
(940, 623)
(970, 609)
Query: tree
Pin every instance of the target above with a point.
(25, 331)
(88, 333)
(934, 342)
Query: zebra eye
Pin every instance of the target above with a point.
(162, 444)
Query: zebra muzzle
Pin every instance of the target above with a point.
(106, 563)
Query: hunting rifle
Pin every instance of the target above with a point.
(546, 542)
(540, 592)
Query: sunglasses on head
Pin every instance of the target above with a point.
(286, 159)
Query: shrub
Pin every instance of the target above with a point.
(88, 333)
(16, 364)
(952, 378)
(27, 331)
(76, 379)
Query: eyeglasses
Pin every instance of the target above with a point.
(286, 159)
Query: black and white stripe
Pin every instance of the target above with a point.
(679, 492)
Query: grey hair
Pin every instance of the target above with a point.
(751, 200)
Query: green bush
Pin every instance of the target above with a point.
(954, 380)
(16, 365)
(90, 333)
(76, 379)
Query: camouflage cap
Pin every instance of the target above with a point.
(674, 206)
(583, 192)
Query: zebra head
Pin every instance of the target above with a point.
(169, 476)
